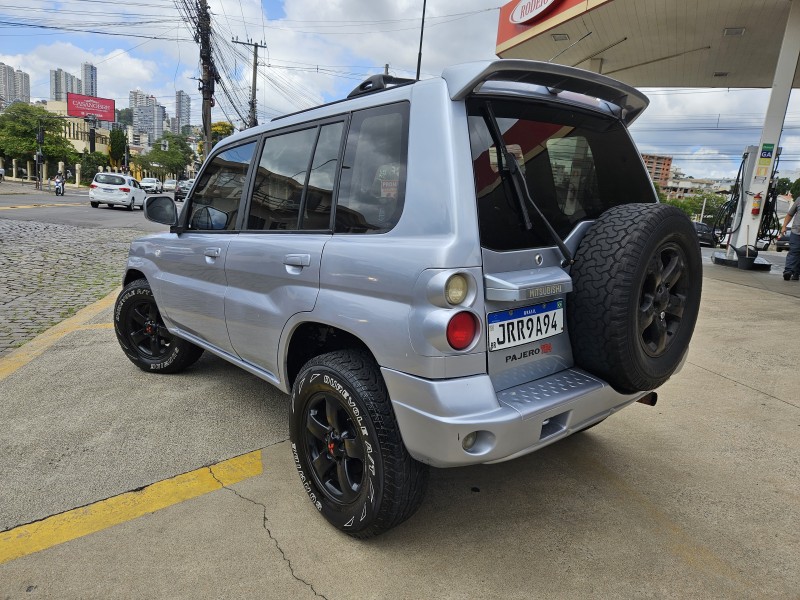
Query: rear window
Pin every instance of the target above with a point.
(109, 179)
(576, 164)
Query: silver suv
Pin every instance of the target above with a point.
(446, 272)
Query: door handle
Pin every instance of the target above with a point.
(297, 260)
(212, 252)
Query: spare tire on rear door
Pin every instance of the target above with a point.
(637, 279)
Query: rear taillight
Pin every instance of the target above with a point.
(126, 190)
(94, 185)
(461, 330)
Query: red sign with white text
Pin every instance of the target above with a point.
(83, 106)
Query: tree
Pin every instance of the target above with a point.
(116, 150)
(795, 190)
(169, 156)
(18, 126)
(91, 164)
(219, 130)
(125, 116)
(782, 185)
(693, 206)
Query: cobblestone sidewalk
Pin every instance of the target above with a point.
(50, 271)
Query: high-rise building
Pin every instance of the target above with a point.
(659, 168)
(150, 119)
(139, 98)
(8, 87)
(22, 82)
(183, 111)
(62, 82)
(89, 79)
(14, 85)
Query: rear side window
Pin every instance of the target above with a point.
(373, 181)
(576, 164)
(109, 179)
(295, 180)
(215, 202)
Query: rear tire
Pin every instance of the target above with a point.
(637, 280)
(144, 337)
(347, 446)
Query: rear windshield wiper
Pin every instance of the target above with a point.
(510, 170)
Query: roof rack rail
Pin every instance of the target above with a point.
(376, 83)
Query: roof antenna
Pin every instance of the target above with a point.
(421, 31)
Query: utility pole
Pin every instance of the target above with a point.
(209, 72)
(253, 120)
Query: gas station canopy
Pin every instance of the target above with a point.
(649, 43)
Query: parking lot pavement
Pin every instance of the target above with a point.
(697, 497)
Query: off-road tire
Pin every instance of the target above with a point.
(637, 281)
(347, 447)
(144, 337)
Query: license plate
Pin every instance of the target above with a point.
(511, 328)
(109, 189)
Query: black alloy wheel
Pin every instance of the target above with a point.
(663, 299)
(334, 447)
(143, 336)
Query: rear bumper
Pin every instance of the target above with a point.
(435, 416)
(111, 199)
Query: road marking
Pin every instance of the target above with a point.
(25, 354)
(21, 206)
(79, 522)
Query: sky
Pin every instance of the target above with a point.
(318, 51)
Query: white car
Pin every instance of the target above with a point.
(116, 189)
(152, 184)
(169, 185)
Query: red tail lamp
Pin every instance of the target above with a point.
(461, 330)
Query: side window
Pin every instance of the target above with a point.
(215, 202)
(372, 190)
(281, 176)
(319, 194)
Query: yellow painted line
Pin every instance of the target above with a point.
(25, 354)
(19, 206)
(79, 522)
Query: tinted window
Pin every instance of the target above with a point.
(109, 179)
(576, 165)
(319, 194)
(215, 202)
(279, 183)
(372, 189)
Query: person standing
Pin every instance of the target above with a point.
(792, 268)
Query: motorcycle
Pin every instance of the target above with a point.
(59, 183)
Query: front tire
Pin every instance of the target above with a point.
(143, 336)
(347, 446)
(94, 204)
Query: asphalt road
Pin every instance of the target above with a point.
(20, 203)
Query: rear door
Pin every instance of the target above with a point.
(569, 159)
(191, 284)
(273, 267)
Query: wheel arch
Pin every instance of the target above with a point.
(312, 338)
(133, 275)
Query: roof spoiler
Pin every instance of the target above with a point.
(468, 78)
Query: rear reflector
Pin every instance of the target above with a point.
(461, 330)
